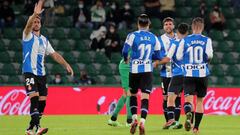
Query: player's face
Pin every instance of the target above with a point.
(36, 24)
(168, 27)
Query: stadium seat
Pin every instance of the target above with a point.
(156, 23)
(2, 46)
(236, 81)
(87, 33)
(222, 81)
(64, 22)
(224, 46)
(10, 33)
(110, 80)
(216, 35)
(217, 71)
(85, 57)
(57, 68)
(215, 60)
(179, 3)
(237, 46)
(101, 58)
(14, 80)
(184, 12)
(116, 57)
(233, 70)
(234, 36)
(105, 70)
(5, 57)
(76, 69)
(228, 13)
(232, 24)
(92, 71)
(212, 80)
(69, 57)
(58, 33)
(192, 3)
(224, 3)
(44, 31)
(15, 45)
(74, 33)
(122, 34)
(8, 69)
(64, 45)
(229, 58)
(81, 46)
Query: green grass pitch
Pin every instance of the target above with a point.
(97, 125)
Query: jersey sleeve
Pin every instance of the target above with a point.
(128, 43)
(27, 37)
(180, 50)
(209, 49)
(49, 49)
(157, 46)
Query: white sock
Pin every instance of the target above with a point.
(134, 117)
(142, 120)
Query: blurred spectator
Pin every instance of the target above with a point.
(167, 8)
(113, 15)
(98, 39)
(203, 13)
(236, 4)
(84, 79)
(152, 8)
(59, 9)
(57, 79)
(49, 12)
(126, 16)
(81, 16)
(217, 18)
(98, 14)
(29, 7)
(112, 41)
(7, 16)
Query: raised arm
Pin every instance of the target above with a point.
(37, 11)
(59, 59)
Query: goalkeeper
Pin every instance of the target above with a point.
(125, 98)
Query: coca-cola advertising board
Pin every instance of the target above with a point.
(102, 100)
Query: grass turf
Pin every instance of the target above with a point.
(97, 125)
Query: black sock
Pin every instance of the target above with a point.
(133, 104)
(177, 108)
(41, 107)
(129, 121)
(165, 110)
(144, 108)
(34, 112)
(198, 118)
(171, 112)
(113, 118)
(187, 107)
(192, 117)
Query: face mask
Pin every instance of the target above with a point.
(58, 80)
(113, 6)
(80, 5)
(127, 7)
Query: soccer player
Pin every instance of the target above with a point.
(125, 98)
(165, 73)
(176, 84)
(143, 45)
(196, 52)
(35, 48)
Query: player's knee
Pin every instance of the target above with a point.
(189, 99)
(171, 101)
(34, 94)
(42, 98)
(145, 96)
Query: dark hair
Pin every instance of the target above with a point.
(143, 20)
(182, 28)
(198, 20)
(168, 19)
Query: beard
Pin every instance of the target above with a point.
(36, 29)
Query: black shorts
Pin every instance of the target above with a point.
(35, 83)
(176, 85)
(165, 84)
(195, 86)
(141, 81)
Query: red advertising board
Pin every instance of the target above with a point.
(102, 100)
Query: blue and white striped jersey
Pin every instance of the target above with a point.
(195, 50)
(143, 45)
(34, 50)
(176, 65)
(165, 41)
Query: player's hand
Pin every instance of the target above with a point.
(69, 69)
(38, 7)
(155, 64)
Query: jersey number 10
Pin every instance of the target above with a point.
(195, 54)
